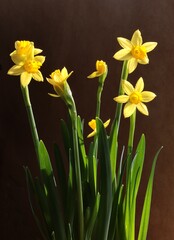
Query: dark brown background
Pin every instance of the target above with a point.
(75, 34)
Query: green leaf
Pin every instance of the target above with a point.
(92, 219)
(137, 167)
(51, 191)
(147, 202)
(33, 200)
(133, 182)
(44, 159)
(105, 182)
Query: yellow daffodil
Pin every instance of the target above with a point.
(134, 50)
(58, 80)
(22, 51)
(134, 98)
(92, 124)
(101, 68)
(27, 65)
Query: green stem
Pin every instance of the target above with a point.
(131, 132)
(26, 97)
(73, 114)
(118, 112)
(99, 93)
(116, 124)
(130, 141)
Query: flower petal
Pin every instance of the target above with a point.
(106, 123)
(132, 64)
(123, 54)
(124, 43)
(64, 72)
(142, 108)
(15, 70)
(147, 96)
(53, 95)
(37, 76)
(136, 38)
(127, 87)
(37, 51)
(93, 75)
(91, 134)
(144, 60)
(129, 109)
(139, 85)
(149, 46)
(121, 99)
(25, 78)
(40, 59)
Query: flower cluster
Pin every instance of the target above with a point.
(96, 195)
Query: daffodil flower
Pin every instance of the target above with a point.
(27, 65)
(101, 68)
(134, 98)
(134, 50)
(92, 124)
(58, 79)
(22, 51)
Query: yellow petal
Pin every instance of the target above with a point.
(15, 70)
(64, 72)
(53, 95)
(93, 75)
(149, 46)
(136, 38)
(129, 109)
(91, 134)
(144, 60)
(25, 78)
(40, 59)
(124, 43)
(127, 87)
(142, 108)
(139, 85)
(38, 76)
(107, 123)
(147, 96)
(132, 64)
(121, 99)
(123, 54)
(37, 51)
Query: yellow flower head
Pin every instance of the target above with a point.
(134, 98)
(27, 65)
(92, 124)
(58, 80)
(22, 50)
(134, 50)
(101, 68)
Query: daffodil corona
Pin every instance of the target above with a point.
(27, 65)
(134, 97)
(92, 125)
(134, 50)
(101, 68)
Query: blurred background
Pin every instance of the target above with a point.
(75, 33)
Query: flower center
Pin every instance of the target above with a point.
(92, 124)
(22, 47)
(101, 67)
(139, 52)
(32, 66)
(135, 98)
